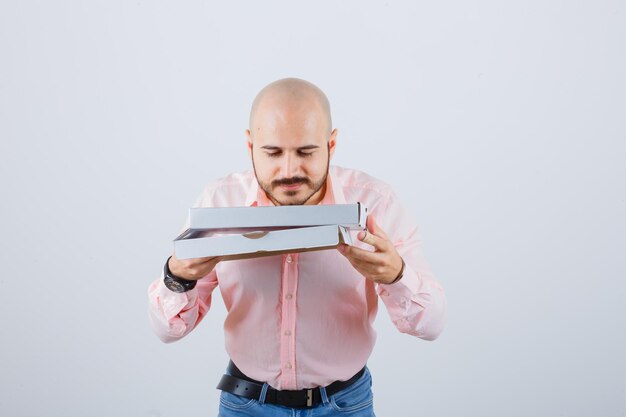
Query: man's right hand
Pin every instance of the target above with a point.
(192, 269)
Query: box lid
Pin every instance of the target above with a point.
(238, 219)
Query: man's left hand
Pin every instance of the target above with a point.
(383, 265)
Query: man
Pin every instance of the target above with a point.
(299, 326)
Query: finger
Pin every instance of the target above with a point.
(370, 238)
(348, 252)
(199, 270)
(373, 227)
(361, 255)
(366, 268)
(199, 261)
(202, 261)
(196, 267)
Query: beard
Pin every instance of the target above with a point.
(313, 186)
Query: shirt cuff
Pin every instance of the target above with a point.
(407, 286)
(173, 303)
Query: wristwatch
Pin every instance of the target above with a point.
(175, 283)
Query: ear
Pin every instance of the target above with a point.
(331, 143)
(249, 142)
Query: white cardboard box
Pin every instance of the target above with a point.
(247, 232)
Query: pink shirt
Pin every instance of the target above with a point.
(305, 319)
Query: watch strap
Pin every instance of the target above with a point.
(174, 283)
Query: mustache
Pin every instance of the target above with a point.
(291, 181)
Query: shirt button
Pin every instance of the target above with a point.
(287, 332)
(288, 296)
(288, 259)
(288, 366)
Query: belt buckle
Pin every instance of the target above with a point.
(309, 397)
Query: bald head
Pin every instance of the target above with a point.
(290, 101)
(290, 141)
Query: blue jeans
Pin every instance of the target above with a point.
(354, 401)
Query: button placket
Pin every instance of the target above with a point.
(288, 322)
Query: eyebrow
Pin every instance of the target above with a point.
(277, 148)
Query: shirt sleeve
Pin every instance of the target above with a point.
(417, 303)
(174, 315)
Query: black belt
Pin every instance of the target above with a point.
(240, 384)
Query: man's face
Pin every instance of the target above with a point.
(290, 154)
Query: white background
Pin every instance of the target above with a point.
(501, 123)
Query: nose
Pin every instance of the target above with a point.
(290, 166)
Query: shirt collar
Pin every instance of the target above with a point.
(334, 194)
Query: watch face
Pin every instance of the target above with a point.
(174, 286)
